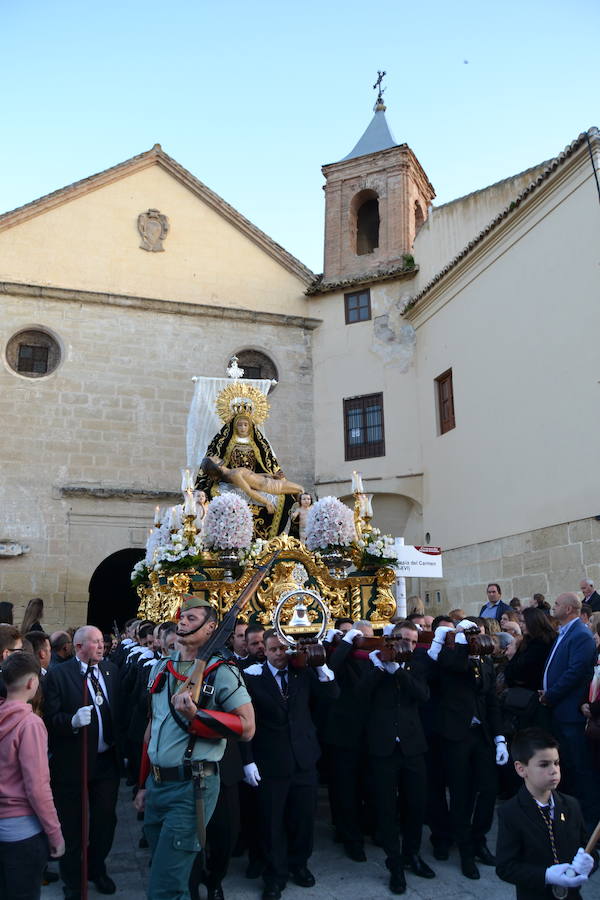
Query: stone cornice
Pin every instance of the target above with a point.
(116, 492)
(157, 156)
(173, 308)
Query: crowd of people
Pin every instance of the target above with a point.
(224, 746)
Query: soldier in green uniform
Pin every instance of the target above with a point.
(179, 781)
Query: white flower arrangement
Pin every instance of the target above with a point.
(140, 572)
(254, 551)
(330, 525)
(227, 523)
(378, 549)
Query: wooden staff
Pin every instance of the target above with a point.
(85, 805)
(594, 838)
(193, 682)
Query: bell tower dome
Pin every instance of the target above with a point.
(376, 199)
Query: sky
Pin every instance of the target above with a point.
(254, 97)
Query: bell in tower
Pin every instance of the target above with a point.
(376, 199)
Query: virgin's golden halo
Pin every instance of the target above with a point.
(242, 398)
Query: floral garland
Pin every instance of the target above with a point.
(227, 523)
(377, 550)
(330, 526)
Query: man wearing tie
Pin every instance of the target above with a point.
(566, 679)
(67, 716)
(281, 761)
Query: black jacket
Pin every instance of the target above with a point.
(526, 668)
(392, 704)
(285, 740)
(346, 716)
(524, 852)
(467, 691)
(63, 696)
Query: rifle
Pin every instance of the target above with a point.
(193, 682)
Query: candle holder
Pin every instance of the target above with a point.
(189, 529)
(230, 560)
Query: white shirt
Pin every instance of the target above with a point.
(102, 745)
(278, 672)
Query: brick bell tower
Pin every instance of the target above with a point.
(376, 199)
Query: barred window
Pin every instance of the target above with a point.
(363, 427)
(33, 353)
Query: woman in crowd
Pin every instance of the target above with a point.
(591, 709)
(32, 620)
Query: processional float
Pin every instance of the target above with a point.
(239, 510)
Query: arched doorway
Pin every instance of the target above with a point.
(111, 596)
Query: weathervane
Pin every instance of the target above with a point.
(379, 104)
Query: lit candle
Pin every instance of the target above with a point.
(189, 508)
(357, 485)
(157, 515)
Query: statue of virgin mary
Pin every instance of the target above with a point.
(240, 443)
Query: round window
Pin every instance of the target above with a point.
(256, 364)
(33, 353)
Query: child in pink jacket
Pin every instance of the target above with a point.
(29, 827)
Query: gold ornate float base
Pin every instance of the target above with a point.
(360, 595)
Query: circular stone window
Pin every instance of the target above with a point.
(256, 364)
(33, 353)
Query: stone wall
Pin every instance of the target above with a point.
(547, 561)
(110, 422)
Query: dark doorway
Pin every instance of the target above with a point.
(111, 595)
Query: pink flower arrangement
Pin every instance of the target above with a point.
(227, 523)
(330, 525)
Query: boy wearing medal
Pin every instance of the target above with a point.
(541, 834)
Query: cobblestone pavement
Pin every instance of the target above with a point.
(337, 877)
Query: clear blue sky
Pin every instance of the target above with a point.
(253, 97)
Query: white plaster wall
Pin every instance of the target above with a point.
(351, 360)
(449, 228)
(519, 329)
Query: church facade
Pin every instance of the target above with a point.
(445, 352)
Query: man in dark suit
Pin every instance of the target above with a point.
(343, 736)
(67, 717)
(391, 692)
(566, 679)
(281, 761)
(470, 726)
(590, 594)
(495, 605)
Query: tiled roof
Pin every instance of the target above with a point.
(384, 273)
(541, 178)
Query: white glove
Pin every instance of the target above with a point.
(460, 638)
(82, 717)
(251, 774)
(560, 874)
(501, 750)
(466, 624)
(387, 629)
(325, 673)
(374, 657)
(583, 863)
(440, 633)
(391, 667)
(350, 635)
(330, 635)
